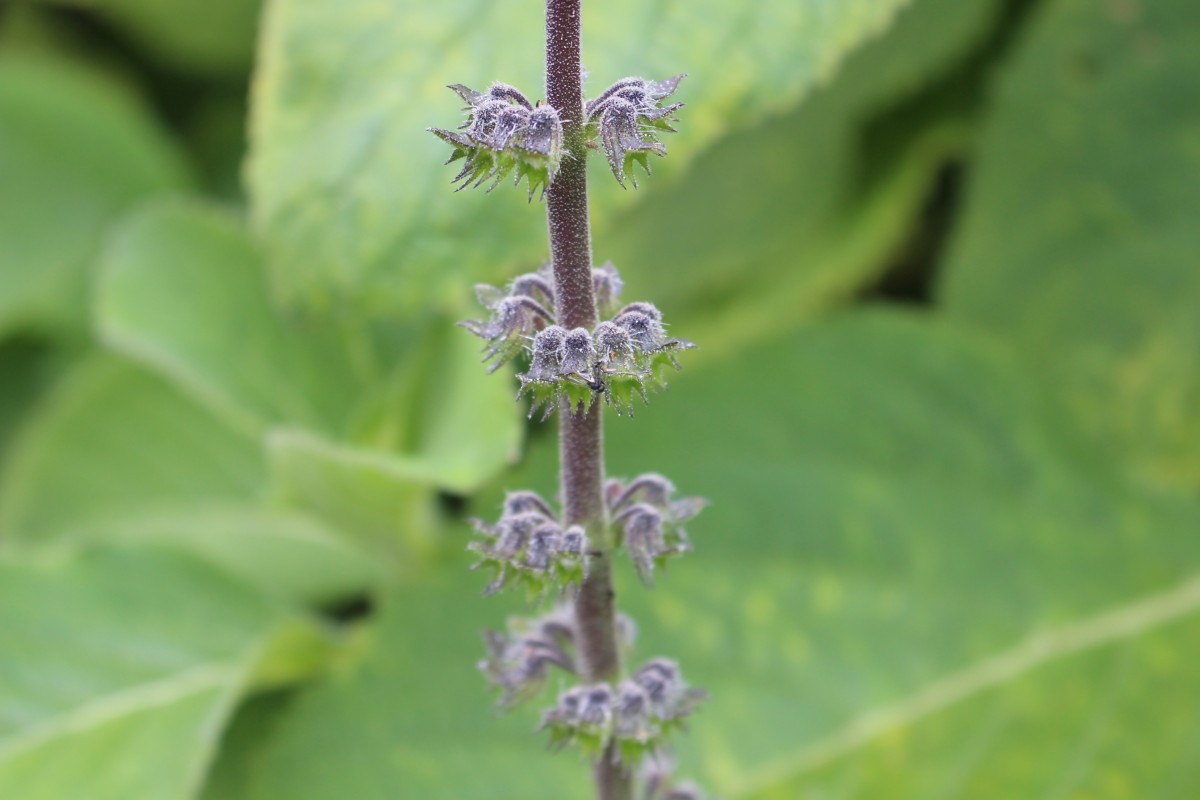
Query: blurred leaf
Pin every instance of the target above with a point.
(25, 366)
(76, 149)
(111, 441)
(387, 499)
(119, 671)
(896, 504)
(214, 36)
(1101, 681)
(1080, 238)
(779, 221)
(348, 188)
(181, 290)
(444, 410)
(281, 553)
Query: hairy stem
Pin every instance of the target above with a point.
(581, 443)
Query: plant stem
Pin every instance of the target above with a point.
(581, 443)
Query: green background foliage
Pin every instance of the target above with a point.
(941, 260)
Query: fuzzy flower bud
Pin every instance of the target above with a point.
(627, 118)
(514, 319)
(607, 284)
(504, 133)
(517, 662)
(527, 546)
(579, 353)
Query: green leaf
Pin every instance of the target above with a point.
(110, 442)
(896, 505)
(76, 149)
(120, 669)
(25, 368)
(216, 36)
(387, 500)
(348, 188)
(443, 411)
(775, 223)
(182, 290)
(1079, 239)
(281, 553)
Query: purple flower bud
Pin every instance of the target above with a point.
(548, 351)
(535, 285)
(628, 120)
(645, 332)
(632, 712)
(573, 542)
(514, 319)
(515, 532)
(502, 91)
(614, 346)
(607, 284)
(649, 309)
(578, 353)
(543, 546)
(652, 488)
(518, 663)
(543, 133)
(643, 538)
(596, 705)
(525, 501)
(504, 133)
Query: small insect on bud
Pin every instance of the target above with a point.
(504, 133)
(627, 120)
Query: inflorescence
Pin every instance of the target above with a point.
(622, 358)
(636, 713)
(528, 547)
(505, 134)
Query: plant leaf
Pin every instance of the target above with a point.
(182, 291)
(120, 668)
(911, 509)
(1079, 240)
(76, 149)
(111, 441)
(281, 553)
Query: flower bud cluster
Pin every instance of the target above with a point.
(529, 547)
(518, 661)
(650, 521)
(658, 781)
(621, 359)
(626, 120)
(504, 133)
(520, 311)
(636, 714)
